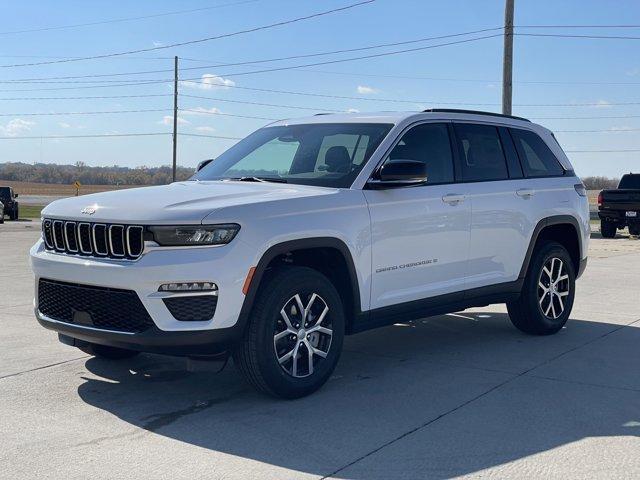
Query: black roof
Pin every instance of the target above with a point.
(473, 112)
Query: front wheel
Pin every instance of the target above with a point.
(547, 294)
(608, 229)
(15, 214)
(634, 230)
(295, 334)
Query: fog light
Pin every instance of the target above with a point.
(188, 287)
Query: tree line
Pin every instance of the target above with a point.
(116, 175)
(88, 175)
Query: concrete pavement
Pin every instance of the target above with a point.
(462, 395)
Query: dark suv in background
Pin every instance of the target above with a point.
(8, 198)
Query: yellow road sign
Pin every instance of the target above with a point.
(77, 184)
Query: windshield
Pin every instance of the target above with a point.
(328, 155)
(630, 182)
(5, 192)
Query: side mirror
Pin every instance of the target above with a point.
(400, 173)
(203, 164)
(15, 195)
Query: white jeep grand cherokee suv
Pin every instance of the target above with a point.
(309, 230)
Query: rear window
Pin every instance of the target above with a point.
(536, 157)
(630, 182)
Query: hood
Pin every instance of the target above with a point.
(182, 202)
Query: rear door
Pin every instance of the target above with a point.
(500, 222)
(420, 234)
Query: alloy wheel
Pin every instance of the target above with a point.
(303, 334)
(553, 287)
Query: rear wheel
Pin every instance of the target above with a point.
(295, 334)
(634, 230)
(15, 214)
(2, 218)
(111, 353)
(547, 295)
(608, 229)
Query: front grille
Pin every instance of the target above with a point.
(192, 309)
(93, 239)
(97, 307)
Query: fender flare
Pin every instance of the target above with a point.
(541, 225)
(300, 244)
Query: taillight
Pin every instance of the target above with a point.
(580, 190)
(600, 199)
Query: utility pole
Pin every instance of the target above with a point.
(507, 59)
(175, 113)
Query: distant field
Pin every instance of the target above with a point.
(30, 188)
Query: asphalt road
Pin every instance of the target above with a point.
(457, 395)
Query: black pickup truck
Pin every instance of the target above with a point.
(8, 198)
(620, 208)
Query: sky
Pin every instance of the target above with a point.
(552, 76)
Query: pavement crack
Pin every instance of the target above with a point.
(472, 400)
(43, 367)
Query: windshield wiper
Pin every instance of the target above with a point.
(259, 179)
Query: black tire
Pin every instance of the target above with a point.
(527, 313)
(634, 230)
(2, 219)
(608, 229)
(15, 215)
(257, 356)
(110, 353)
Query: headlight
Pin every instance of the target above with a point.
(172, 236)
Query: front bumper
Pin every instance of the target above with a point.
(226, 266)
(154, 340)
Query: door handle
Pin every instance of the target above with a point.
(453, 199)
(525, 192)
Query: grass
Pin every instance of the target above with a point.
(30, 211)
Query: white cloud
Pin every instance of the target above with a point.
(64, 125)
(353, 110)
(602, 104)
(168, 120)
(364, 90)
(209, 81)
(158, 44)
(206, 129)
(15, 127)
(201, 111)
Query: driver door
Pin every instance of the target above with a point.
(420, 234)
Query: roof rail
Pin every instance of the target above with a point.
(473, 112)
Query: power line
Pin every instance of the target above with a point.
(567, 35)
(252, 62)
(99, 135)
(36, 114)
(99, 97)
(206, 112)
(595, 117)
(603, 151)
(471, 80)
(127, 19)
(609, 130)
(201, 40)
(262, 104)
(114, 135)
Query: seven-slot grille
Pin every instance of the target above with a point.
(93, 239)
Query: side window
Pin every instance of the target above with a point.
(536, 157)
(481, 152)
(428, 143)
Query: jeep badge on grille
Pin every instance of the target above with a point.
(88, 210)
